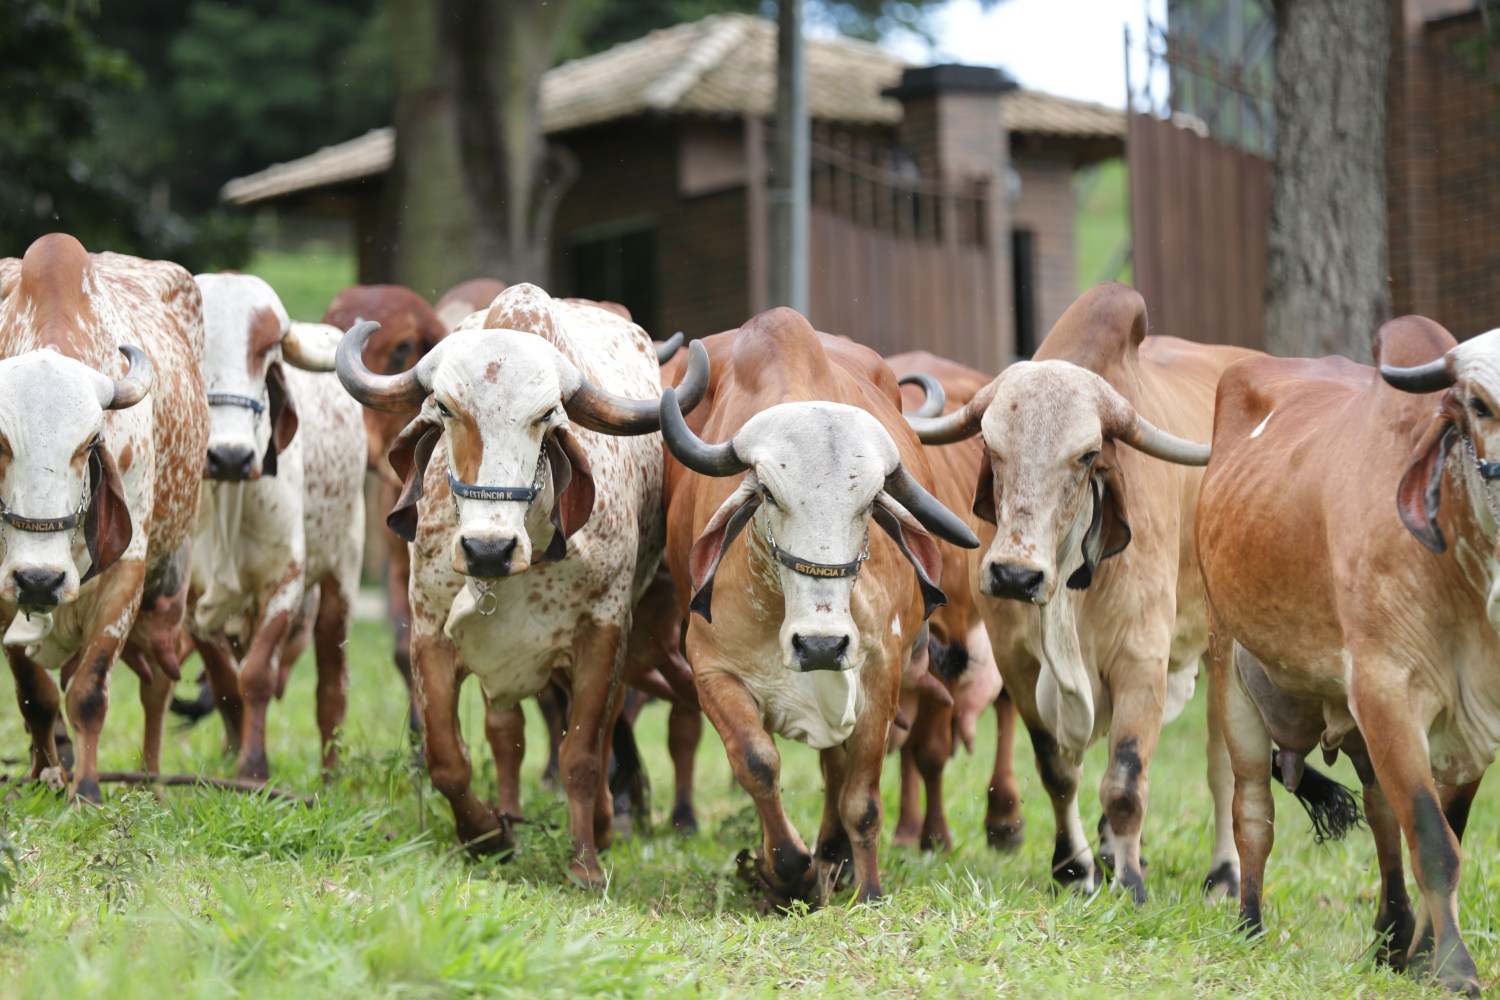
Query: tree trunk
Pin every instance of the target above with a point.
(1326, 277)
(473, 187)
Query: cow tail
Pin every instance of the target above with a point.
(194, 710)
(627, 778)
(947, 661)
(1333, 808)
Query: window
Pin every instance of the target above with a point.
(1023, 273)
(618, 266)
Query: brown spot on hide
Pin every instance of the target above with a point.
(265, 333)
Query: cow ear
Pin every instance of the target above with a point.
(918, 547)
(408, 455)
(984, 491)
(572, 491)
(1109, 532)
(106, 523)
(703, 562)
(283, 417)
(1421, 488)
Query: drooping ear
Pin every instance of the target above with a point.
(918, 547)
(984, 491)
(572, 491)
(703, 562)
(1421, 488)
(1108, 532)
(283, 417)
(408, 455)
(106, 523)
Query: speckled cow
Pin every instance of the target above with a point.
(99, 469)
(281, 526)
(532, 497)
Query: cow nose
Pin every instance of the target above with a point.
(488, 558)
(39, 588)
(1016, 581)
(820, 652)
(230, 463)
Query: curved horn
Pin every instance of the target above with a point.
(1434, 375)
(936, 399)
(692, 451)
(137, 381)
(928, 511)
(961, 424)
(603, 411)
(313, 347)
(668, 347)
(1144, 436)
(387, 393)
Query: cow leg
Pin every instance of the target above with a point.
(88, 689)
(297, 636)
(834, 851)
(156, 694)
(437, 674)
(1072, 860)
(1223, 881)
(553, 702)
(39, 701)
(598, 658)
(931, 741)
(1456, 804)
(1249, 747)
(224, 682)
(684, 732)
(1003, 826)
(1123, 793)
(330, 638)
(1394, 921)
(859, 802)
(505, 728)
(909, 820)
(398, 598)
(786, 867)
(258, 683)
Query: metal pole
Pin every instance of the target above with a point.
(789, 194)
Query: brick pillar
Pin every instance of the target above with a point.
(954, 128)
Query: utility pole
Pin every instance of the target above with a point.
(789, 192)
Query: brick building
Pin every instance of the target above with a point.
(943, 206)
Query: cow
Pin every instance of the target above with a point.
(1090, 448)
(99, 467)
(474, 295)
(532, 499)
(1347, 535)
(818, 611)
(959, 652)
(281, 522)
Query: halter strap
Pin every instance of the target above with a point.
(230, 399)
(824, 571)
(40, 525)
(522, 494)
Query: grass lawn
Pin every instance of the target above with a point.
(202, 893)
(1103, 223)
(307, 280)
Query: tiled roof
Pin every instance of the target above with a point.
(721, 65)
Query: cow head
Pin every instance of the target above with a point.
(816, 475)
(247, 336)
(1050, 480)
(65, 518)
(408, 329)
(505, 401)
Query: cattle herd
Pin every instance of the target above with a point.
(781, 529)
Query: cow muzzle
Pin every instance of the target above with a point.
(39, 588)
(1015, 580)
(488, 558)
(820, 652)
(230, 464)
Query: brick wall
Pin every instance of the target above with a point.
(1046, 207)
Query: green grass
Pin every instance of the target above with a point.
(307, 280)
(1103, 223)
(213, 894)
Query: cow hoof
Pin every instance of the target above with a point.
(1222, 883)
(590, 877)
(937, 841)
(905, 837)
(489, 841)
(1134, 883)
(64, 750)
(254, 767)
(86, 792)
(809, 888)
(1005, 836)
(684, 821)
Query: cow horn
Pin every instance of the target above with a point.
(607, 413)
(961, 424)
(928, 511)
(137, 381)
(668, 347)
(692, 451)
(1434, 375)
(313, 347)
(387, 393)
(936, 399)
(1146, 437)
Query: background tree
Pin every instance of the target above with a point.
(1326, 270)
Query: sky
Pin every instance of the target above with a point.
(1074, 48)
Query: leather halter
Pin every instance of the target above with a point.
(47, 525)
(522, 494)
(230, 399)
(822, 571)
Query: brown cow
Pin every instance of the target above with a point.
(959, 653)
(1372, 629)
(817, 612)
(101, 493)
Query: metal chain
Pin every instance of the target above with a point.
(1484, 482)
(487, 603)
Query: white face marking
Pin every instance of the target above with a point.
(233, 304)
(1261, 426)
(896, 625)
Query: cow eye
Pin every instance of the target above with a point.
(447, 414)
(545, 417)
(1087, 458)
(1480, 407)
(769, 498)
(399, 359)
